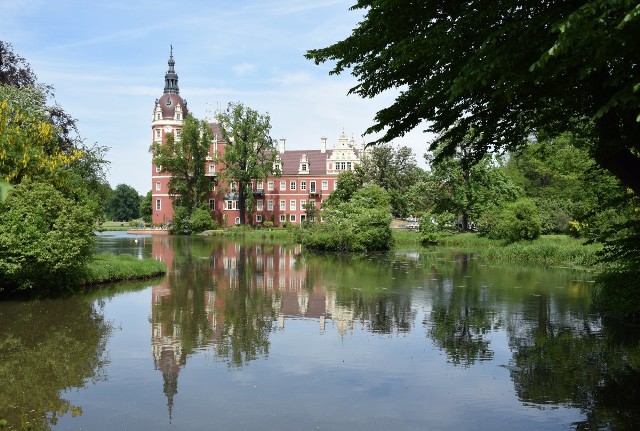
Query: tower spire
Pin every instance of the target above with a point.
(171, 77)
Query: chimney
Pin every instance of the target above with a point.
(323, 145)
(281, 145)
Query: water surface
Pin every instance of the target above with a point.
(248, 336)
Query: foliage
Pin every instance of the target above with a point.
(250, 153)
(27, 140)
(516, 221)
(146, 207)
(346, 186)
(469, 188)
(124, 204)
(184, 159)
(45, 239)
(393, 169)
(501, 71)
(360, 224)
(200, 220)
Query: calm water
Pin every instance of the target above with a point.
(265, 337)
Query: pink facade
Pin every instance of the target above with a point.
(306, 175)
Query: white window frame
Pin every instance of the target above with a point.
(283, 218)
(270, 185)
(259, 205)
(270, 205)
(303, 185)
(158, 186)
(158, 204)
(258, 218)
(293, 185)
(260, 185)
(325, 185)
(292, 218)
(212, 204)
(283, 204)
(292, 205)
(283, 185)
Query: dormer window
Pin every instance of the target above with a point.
(303, 168)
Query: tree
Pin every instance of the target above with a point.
(501, 71)
(124, 204)
(347, 184)
(250, 153)
(184, 159)
(393, 169)
(469, 189)
(146, 208)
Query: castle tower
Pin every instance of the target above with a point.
(168, 116)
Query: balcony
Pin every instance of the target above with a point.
(210, 174)
(315, 194)
(258, 193)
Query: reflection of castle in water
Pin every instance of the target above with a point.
(275, 272)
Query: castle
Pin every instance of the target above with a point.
(307, 176)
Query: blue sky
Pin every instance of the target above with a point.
(107, 60)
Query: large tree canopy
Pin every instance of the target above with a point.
(501, 71)
(250, 152)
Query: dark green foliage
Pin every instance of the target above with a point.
(360, 224)
(250, 152)
(200, 220)
(124, 204)
(146, 207)
(517, 221)
(181, 224)
(348, 183)
(499, 71)
(46, 239)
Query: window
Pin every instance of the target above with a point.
(259, 218)
(283, 185)
(178, 116)
(303, 204)
(292, 205)
(312, 187)
(158, 134)
(283, 218)
(302, 218)
(259, 205)
(158, 204)
(292, 185)
(230, 205)
(212, 204)
(303, 168)
(237, 221)
(158, 168)
(212, 169)
(335, 185)
(178, 133)
(260, 185)
(233, 186)
(325, 185)
(157, 185)
(282, 204)
(303, 185)
(270, 205)
(348, 166)
(270, 185)
(292, 218)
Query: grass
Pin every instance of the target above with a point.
(105, 268)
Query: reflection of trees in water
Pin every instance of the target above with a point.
(577, 361)
(47, 347)
(461, 318)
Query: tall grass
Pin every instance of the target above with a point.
(106, 268)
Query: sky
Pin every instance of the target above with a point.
(107, 61)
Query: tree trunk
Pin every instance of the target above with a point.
(242, 203)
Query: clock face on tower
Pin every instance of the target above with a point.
(167, 129)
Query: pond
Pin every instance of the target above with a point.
(263, 336)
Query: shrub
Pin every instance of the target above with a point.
(200, 220)
(519, 220)
(46, 239)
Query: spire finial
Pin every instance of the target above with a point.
(171, 77)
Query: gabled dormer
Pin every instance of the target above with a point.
(303, 167)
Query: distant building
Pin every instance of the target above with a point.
(308, 175)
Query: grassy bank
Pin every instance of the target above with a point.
(105, 268)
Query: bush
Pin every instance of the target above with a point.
(200, 220)
(519, 220)
(46, 239)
